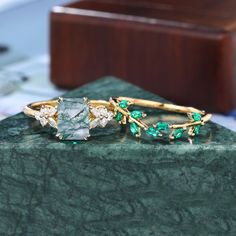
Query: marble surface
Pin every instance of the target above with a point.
(114, 184)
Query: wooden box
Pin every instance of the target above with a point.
(182, 50)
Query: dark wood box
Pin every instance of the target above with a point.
(182, 50)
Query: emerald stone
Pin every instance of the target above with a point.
(136, 114)
(153, 132)
(123, 104)
(178, 133)
(197, 129)
(118, 116)
(134, 128)
(197, 116)
(162, 126)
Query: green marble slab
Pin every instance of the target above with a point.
(114, 184)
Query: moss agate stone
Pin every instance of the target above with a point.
(73, 119)
(114, 184)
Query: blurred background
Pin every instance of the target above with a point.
(25, 50)
(24, 54)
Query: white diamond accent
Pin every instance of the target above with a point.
(52, 122)
(45, 116)
(103, 122)
(43, 121)
(102, 117)
(94, 123)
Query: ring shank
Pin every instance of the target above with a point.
(162, 106)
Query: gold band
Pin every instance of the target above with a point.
(161, 106)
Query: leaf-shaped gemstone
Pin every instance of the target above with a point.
(197, 129)
(178, 133)
(136, 114)
(197, 116)
(153, 132)
(123, 104)
(162, 126)
(134, 129)
(118, 116)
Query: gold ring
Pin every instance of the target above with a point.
(74, 117)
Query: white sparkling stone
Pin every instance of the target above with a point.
(37, 116)
(52, 122)
(103, 112)
(44, 116)
(94, 123)
(43, 121)
(102, 116)
(110, 115)
(103, 122)
(95, 112)
(52, 111)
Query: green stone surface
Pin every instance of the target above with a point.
(162, 126)
(153, 132)
(118, 116)
(114, 184)
(197, 116)
(178, 133)
(123, 104)
(136, 114)
(197, 129)
(134, 128)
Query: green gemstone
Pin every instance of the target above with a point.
(123, 104)
(162, 126)
(178, 133)
(197, 129)
(153, 132)
(134, 128)
(118, 116)
(136, 114)
(197, 116)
